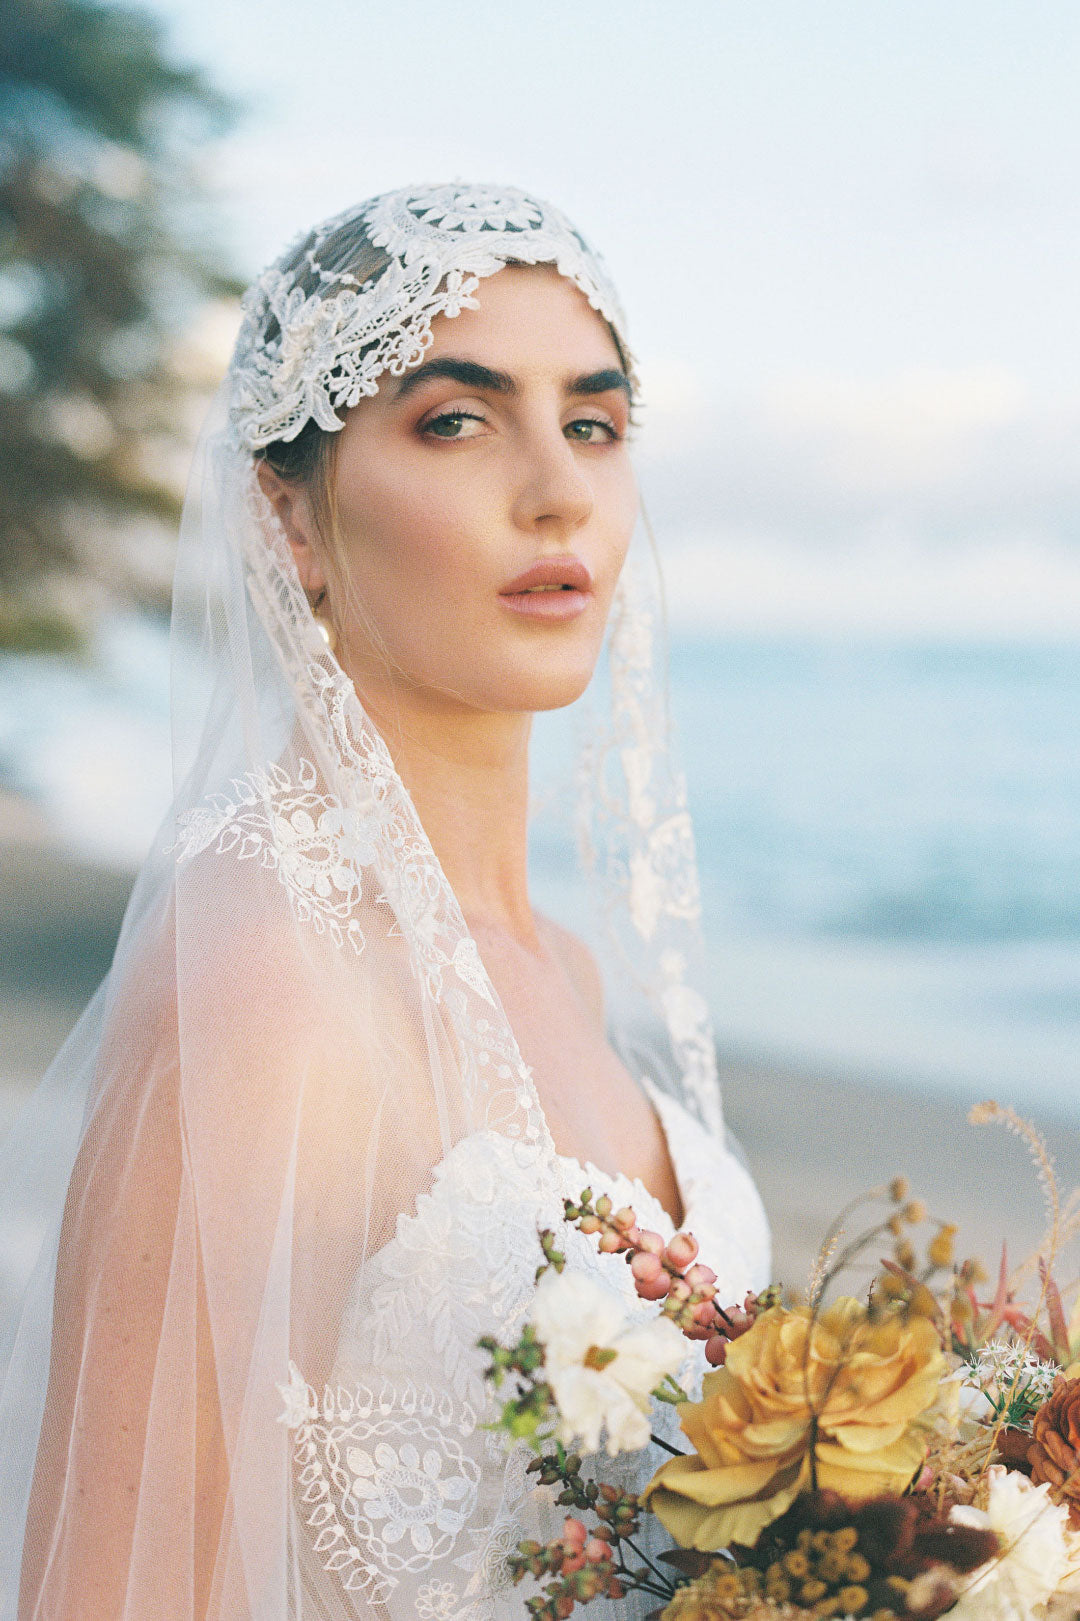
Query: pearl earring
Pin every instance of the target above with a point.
(327, 629)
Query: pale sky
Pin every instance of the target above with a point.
(847, 235)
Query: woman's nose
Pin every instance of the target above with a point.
(554, 492)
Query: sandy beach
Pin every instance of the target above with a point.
(813, 1141)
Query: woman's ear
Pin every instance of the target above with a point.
(292, 505)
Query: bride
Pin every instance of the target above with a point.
(292, 1162)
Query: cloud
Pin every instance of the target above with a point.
(813, 453)
(885, 585)
(909, 429)
(929, 500)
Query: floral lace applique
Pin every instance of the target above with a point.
(465, 1259)
(385, 1479)
(315, 339)
(437, 1601)
(317, 847)
(663, 876)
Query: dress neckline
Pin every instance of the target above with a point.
(615, 1183)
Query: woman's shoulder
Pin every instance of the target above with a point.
(578, 961)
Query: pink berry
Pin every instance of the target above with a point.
(703, 1324)
(700, 1278)
(595, 1549)
(682, 1250)
(624, 1219)
(651, 1243)
(716, 1350)
(575, 1531)
(647, 1268)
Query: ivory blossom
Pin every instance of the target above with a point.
(601, 1365)
(1035, 1562)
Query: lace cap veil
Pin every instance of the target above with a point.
(297, 1028)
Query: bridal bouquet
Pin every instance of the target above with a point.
(910, 1452)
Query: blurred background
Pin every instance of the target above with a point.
(848, 240)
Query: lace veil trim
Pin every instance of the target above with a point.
(306, 355)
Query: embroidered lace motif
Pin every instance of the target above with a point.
(315, 339)
(317, 847)
(386, 1484)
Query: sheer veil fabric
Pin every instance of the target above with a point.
(290, 1163)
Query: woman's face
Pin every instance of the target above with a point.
(496, 467)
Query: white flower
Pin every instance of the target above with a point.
(1071, 1582)
(601, 1366)
(1034, 1559)
(1000, 1363)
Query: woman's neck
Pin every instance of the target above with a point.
(468, 775)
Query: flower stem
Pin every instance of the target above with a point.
(657, 1572)
(641, 1582)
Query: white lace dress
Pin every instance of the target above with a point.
(408, 1503)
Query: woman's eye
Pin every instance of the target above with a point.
(452, 425)
(591, 431)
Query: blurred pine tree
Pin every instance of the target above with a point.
(105, 228)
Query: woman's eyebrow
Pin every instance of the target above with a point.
(602, 382)
(468, 372)
(472, 375)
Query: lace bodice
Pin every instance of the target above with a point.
(409, 1503)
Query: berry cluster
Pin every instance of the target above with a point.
(617, 1511)
(669, 1272)
(580, 1567)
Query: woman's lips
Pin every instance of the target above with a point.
(553, 588)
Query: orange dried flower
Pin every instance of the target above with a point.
(1012, 1448)
(1054, 1453)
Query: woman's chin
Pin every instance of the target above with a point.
(548, 689)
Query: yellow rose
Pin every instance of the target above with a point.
(853, 1390)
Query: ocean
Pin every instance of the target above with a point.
(888, 835)
(890, 857)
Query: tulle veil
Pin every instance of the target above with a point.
(296, 1031)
